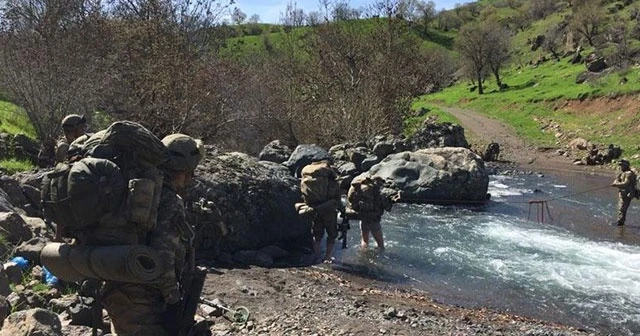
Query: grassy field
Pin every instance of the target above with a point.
(13, 120)
(537, 95)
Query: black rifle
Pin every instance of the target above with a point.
(343, 227)
(180, 316)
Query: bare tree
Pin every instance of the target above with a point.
(52, 60)
(254, 18)
(238, 16)
(473, 44)
(293, 16)
(554, 39)
(588, 19)
(499, 46)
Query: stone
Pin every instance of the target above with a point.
(304, 155)
(255, 199)
(32, 322)
(275, 151)
(5, 309)
(434, 175)
(13, 271)
(14, 228)
(31, 249)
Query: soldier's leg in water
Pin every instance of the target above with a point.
(317, 231)
(623, 206)
(330, 222)
(376, 231)
(135, 310)
(364, 233)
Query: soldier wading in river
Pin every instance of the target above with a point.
(626, 183)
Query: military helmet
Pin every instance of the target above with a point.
(185, 152)
(624, 162)
(73, 120)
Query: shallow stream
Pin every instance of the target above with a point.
(573, 268)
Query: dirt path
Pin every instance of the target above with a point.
(482, 130)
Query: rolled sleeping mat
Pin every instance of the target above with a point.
(123, 263)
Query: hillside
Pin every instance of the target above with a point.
(543, 100)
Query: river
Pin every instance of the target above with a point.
(573, 268)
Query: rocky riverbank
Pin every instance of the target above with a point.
(322, 300)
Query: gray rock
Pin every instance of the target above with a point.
(275, 151)
(346, 168)
(5, 309)
(14, 191)
(5, 204)
(597, 65)
(432, 135)
(36, 225)
(304, 155)
(255, 199)
(4, 284)
(14, 228)
(13, 271)
(250, 257)
(369, 162)
(382, 149)
(357, 155)
(32, 322)
(434, 175)
(31, 249)
(274, 252)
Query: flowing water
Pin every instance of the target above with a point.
(574, 268)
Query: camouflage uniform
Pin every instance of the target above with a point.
(626, 183)
(374, 208)
(136, 309)
(62, 147)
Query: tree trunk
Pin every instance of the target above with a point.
(480, 89)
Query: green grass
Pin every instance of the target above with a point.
(12, 166)
(14, 120)
(534, 95)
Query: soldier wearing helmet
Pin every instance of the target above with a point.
(626, 184)
(137, 309)
(74, 126)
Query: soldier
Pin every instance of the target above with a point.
(73, 127)
(321, 193)
(141, 310)
(367, 202)
(626, 183)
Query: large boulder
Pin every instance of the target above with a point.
(255, 198)
(304, 155)
(32, 322)
(14, 228)
(275, 151)
(438, 135)
(435, 175)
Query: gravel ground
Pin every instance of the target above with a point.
(318, 300)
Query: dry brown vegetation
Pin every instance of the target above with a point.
(158, 62)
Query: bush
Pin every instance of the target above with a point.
(12, 166)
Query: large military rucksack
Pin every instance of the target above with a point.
(318, 183)
(113, 187)
(363, 195)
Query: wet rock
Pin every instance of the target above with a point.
(275, 151)
(304, 155)
(14, 228)
(32, 322)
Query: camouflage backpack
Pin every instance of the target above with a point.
(113, 186)
(364, 195)
(318, 183)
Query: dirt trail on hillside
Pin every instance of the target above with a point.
(481, 130)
